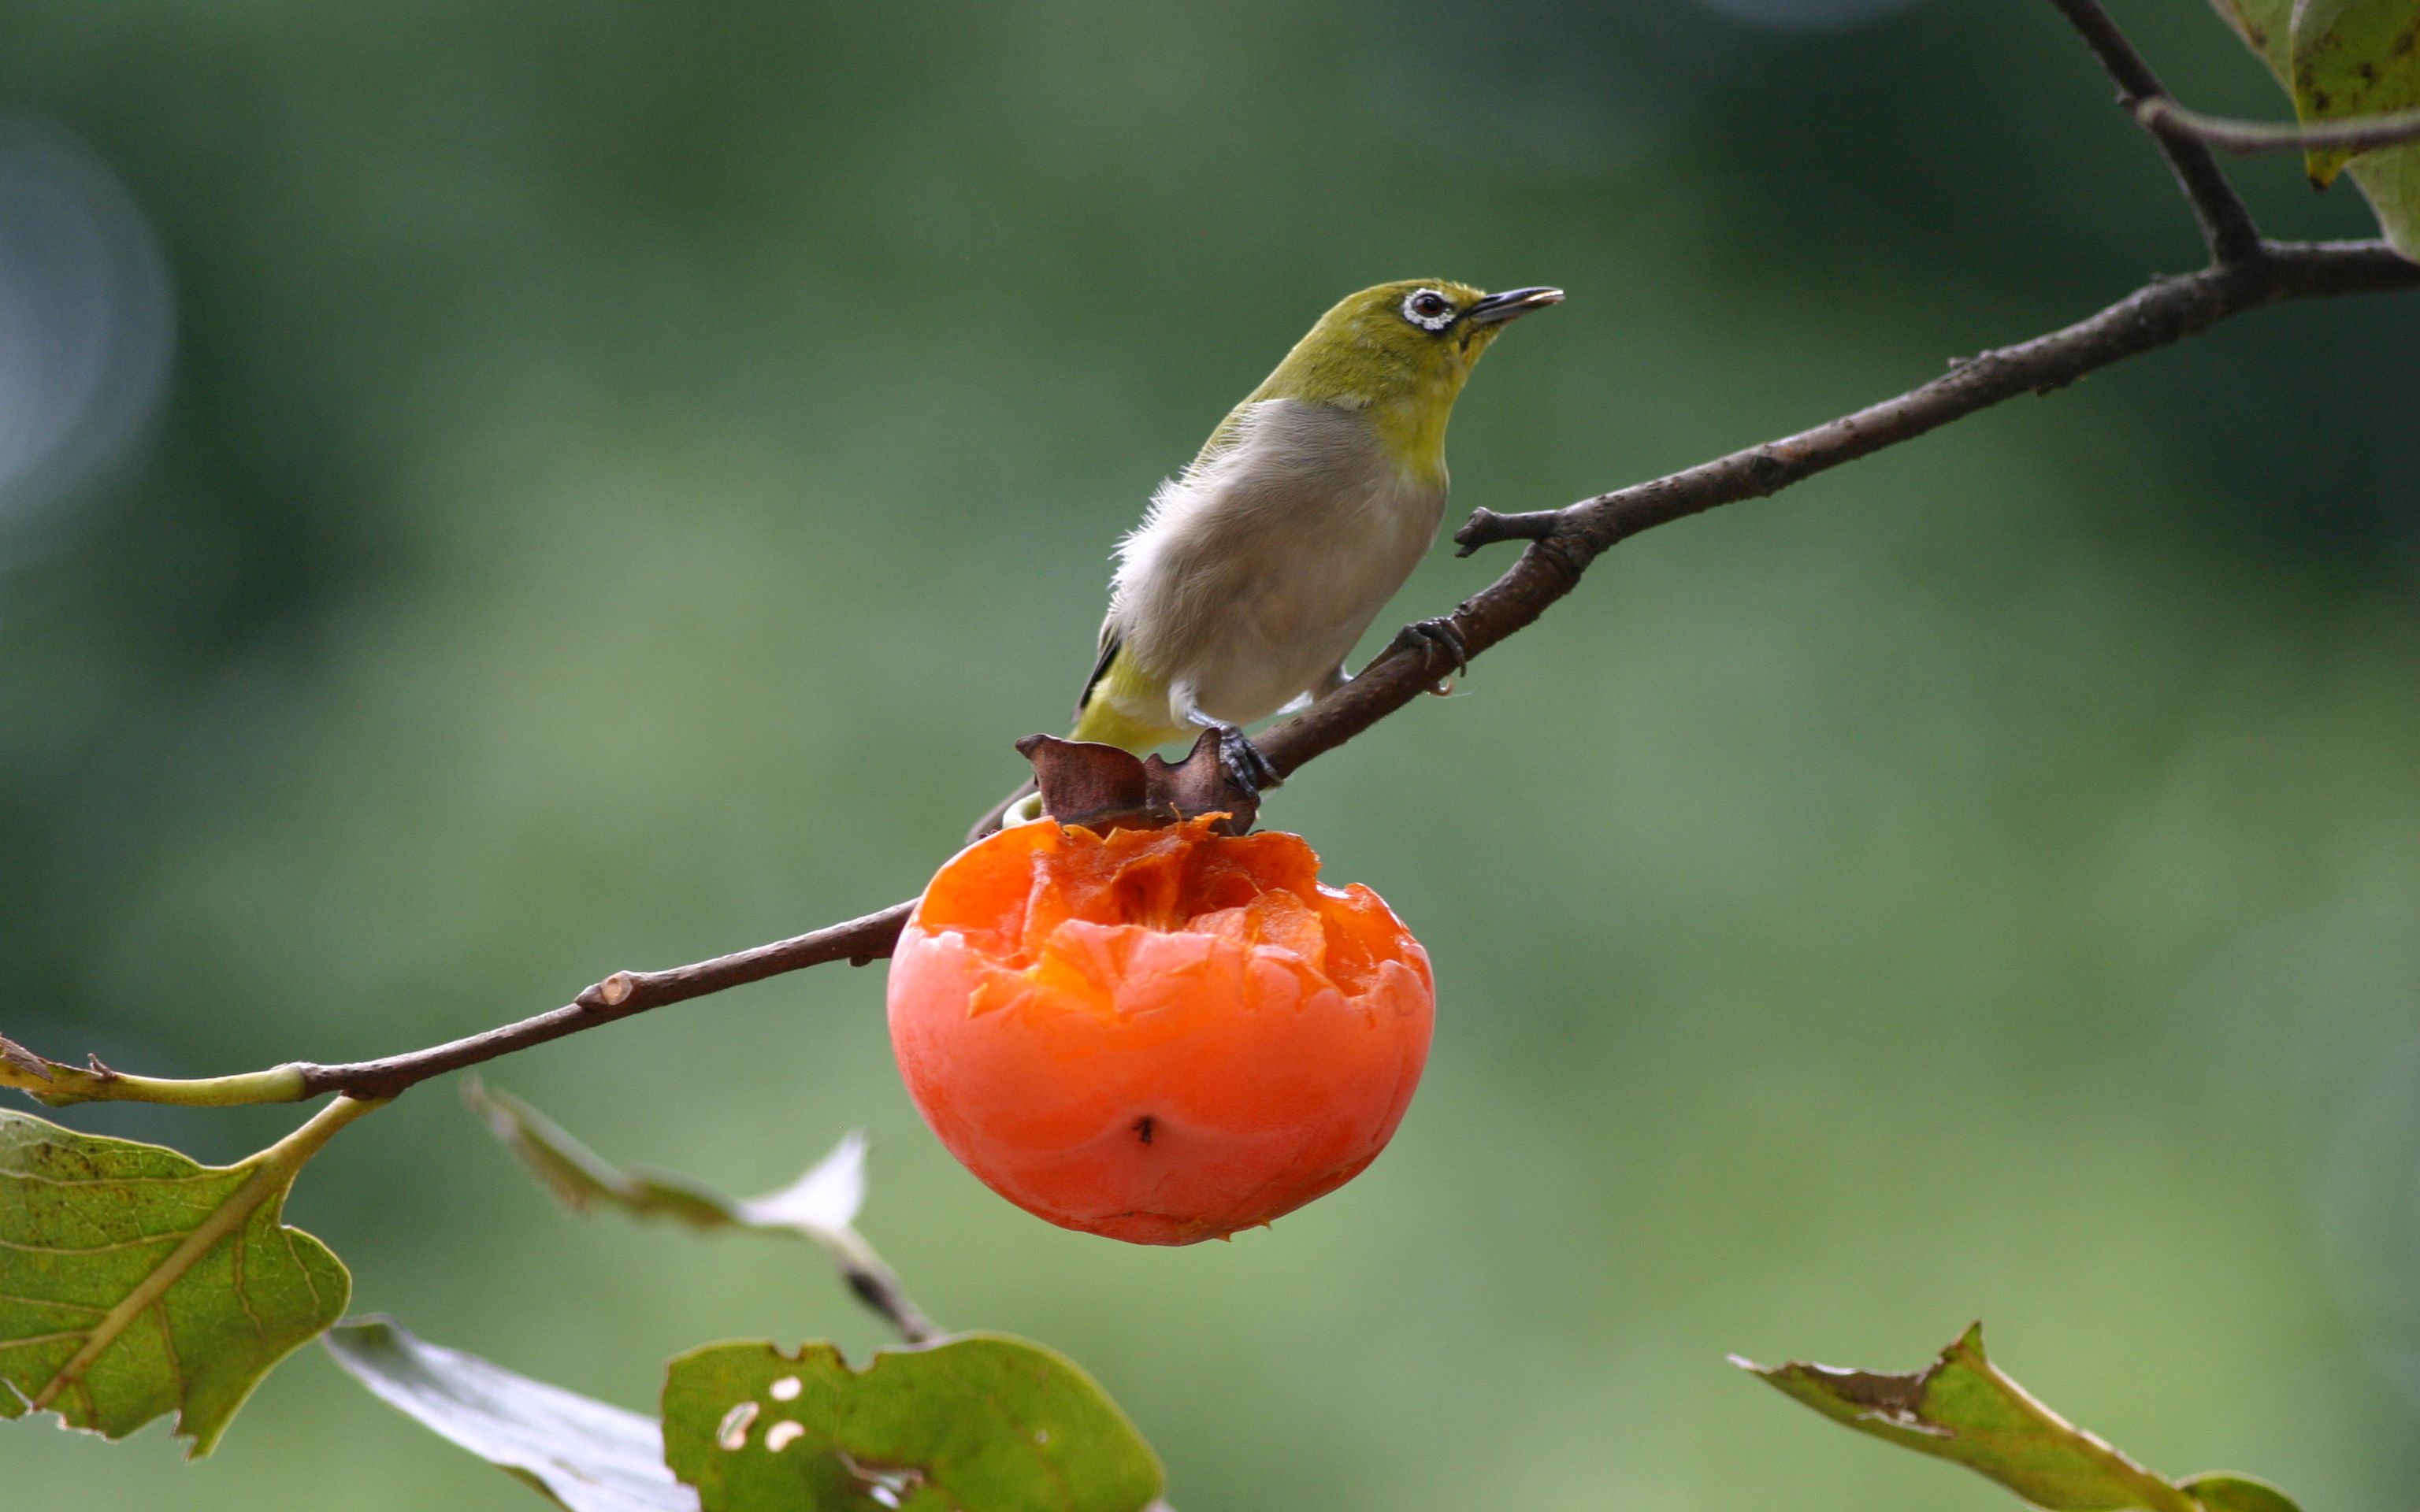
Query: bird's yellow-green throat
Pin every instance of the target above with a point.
(1373, 355)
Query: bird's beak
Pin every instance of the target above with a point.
(1510, 305)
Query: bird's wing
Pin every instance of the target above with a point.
(1112, 639)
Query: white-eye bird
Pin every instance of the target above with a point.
(1258, 568)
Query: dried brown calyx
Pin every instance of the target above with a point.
(1102, 787)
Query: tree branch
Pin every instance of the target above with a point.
(618, 996)
(2169, 121)
(1562, 544)
(2225, 225)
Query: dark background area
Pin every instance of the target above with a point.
(490, 495)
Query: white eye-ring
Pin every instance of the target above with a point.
(1429, 310)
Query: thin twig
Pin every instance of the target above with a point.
(2169, 121)
(2225, 224)
(1562, 543)
(618, 996)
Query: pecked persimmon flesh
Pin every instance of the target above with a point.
(1158, 1035)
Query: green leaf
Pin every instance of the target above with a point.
(2350, 58)
(820, 1206)
(585, 1180)
(2264, 25)
(2341, 58)
(1962, 1408)
(583, 1454)
(2236, 1493)
(981, 1423)
(2390, 176)
(134, 1281)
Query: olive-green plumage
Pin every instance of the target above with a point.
(1365, 356)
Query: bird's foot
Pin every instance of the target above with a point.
(1431, 639)
(1244, 765)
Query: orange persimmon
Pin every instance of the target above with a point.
(1158, 1035)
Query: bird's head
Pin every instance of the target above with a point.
(1401, 352)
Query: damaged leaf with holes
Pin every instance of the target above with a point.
(136, 1282)
(1961, 1408)
(981, 1423)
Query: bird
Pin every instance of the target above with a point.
(1257, 568)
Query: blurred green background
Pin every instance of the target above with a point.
(499, 493)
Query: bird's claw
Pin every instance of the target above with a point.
(1425, 639)
(1245, 764)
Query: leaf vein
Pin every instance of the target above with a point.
(32, 1339)
(243, 1298)
(93, 1249)
(45, 1302)
(168, 1346)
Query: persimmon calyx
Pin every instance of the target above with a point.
(1103, 787)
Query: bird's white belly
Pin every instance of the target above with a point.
(1302, 616)
(1254, 575)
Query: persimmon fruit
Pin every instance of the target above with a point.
(1158, 1035)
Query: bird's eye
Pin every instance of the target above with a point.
(1428, 309)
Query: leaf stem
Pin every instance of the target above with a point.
(292, 1153)
(874, 1283)
(2164, 119)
